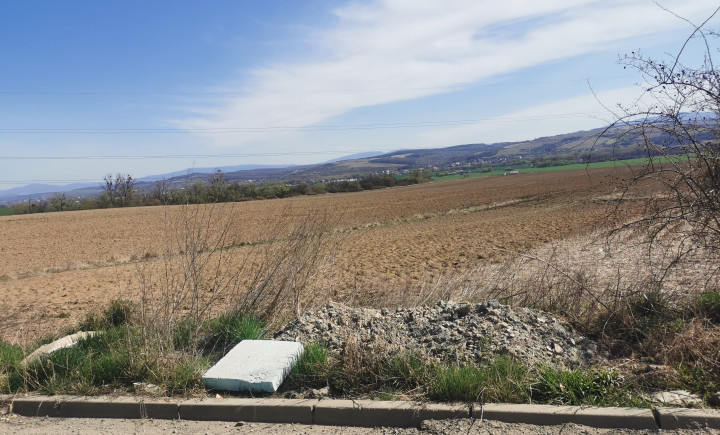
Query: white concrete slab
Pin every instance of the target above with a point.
(254, 365)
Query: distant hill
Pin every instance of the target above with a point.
(32, 189)
(43, 190)
(208, 170)
(580, 146)
(594, 145)
(355, 156)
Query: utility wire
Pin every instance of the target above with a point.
(48, 181)
(314, 91)
(168, 156)
(186, 156)
(274, 129)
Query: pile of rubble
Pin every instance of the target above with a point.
(449, 332)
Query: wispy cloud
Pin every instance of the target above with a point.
(398, 50)
(586, 111)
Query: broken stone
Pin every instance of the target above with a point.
(714, 400)
(676, 398)
(146, 387)
(319, 393)
(463, 310)
(62, 343)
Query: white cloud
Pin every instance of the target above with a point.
(423, 46)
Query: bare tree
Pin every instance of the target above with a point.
(161, 191)
(117, 191)
(217, 186)
(677, 121)
(59, 201)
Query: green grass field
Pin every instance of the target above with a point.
(6, 211)
(524, 169)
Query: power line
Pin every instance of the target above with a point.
(314, 91)
(165, 156)
(187, 156)
(48, 181)
(168, 156)
(279, 129)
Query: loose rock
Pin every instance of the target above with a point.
(714, 400)
(676, 398)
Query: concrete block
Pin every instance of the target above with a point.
(250, 410)
(684, 418)
(37, 406)
(254, 365)
(630, 418)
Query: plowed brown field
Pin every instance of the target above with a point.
(55, 267)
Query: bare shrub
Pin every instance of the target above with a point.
(696, 347)
(207, 270)
(292, 268)
(677, 122)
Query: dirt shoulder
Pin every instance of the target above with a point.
(13, 424)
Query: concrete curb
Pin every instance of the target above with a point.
(370, 413)
(366, 413)
(254, 410)
(684, 418)
(600, 417)
(94, 407)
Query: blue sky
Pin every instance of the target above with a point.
(146, 87)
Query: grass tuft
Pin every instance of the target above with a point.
(582, 387)
(501, 380)
(314, 369)
(116, 314)
(709, 304)
(226, 331)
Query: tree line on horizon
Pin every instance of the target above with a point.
(120, 190)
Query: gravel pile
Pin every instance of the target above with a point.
(448, 332)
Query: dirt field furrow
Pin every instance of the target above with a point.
(56, 267)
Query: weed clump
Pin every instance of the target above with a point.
(708, 305)
(116, 314)
(584, 387)
(501, 380)
(224, 332)
(314, 369)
